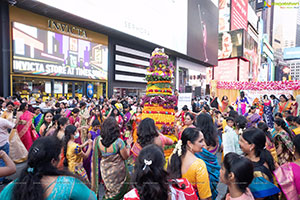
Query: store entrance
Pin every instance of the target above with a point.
(45, 88)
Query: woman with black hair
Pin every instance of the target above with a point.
(237, 174)
(41, 168)
(275, 102)
(284, 105)
(241, 103)
(224, 104)
(73, 152)
(96, 115)
(267, 111)
(118, 117)
(184, 164)
(252, 117)
(294, 105)
(113, 152)
(270, 144)
(74, 119)
(283, 142)
(62, 123)
(147, 134)
(288, 175)
(188, 123)
(296, 130)
(38, 119)
(252, 142)
(25, 127)
(47, 124)
(208, 154)
(149, 168)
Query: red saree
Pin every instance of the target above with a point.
(26, 132)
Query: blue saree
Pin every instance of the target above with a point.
(66, 187)
(213, 169)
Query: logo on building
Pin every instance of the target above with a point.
(66, 28)
(283, 4)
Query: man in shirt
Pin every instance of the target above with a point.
(214, 102)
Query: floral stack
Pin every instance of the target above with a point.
(159, 101)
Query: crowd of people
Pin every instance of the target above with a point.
(72, 146)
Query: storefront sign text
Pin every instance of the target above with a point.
(66, 28)
(40, 68)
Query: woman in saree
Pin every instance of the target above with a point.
(188, 123)
(42, 178)
(96, 115)
(283, 142)
(183, 162)
(137, 118)
(73, 152)
(38, 119)
(284, 105)
(25, 127)
(252, 117)
(294, 105)
(270, 144)
(268, 114)
(275, 104)
(224, 104)
(148, 134)
(288, 174)
(242, 103)
(64, 111)
(17, 151)
(252, 142)
(113, 152)
(208, 154)
(48, 125)
(119, 119)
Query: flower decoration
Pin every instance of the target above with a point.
(268, 85)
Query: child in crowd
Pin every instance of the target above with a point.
(229, 137)
(237, 174)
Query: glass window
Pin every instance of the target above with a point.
(31, 87)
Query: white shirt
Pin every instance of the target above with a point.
(4, 135)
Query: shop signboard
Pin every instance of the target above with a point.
(41, 52)
(244, 70)
(291, 53)
(230, 44)
(184, 99)
(224, 15)
(251, 54)
(189, 27)
(226, 70)
(239, 13)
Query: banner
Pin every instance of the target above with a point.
(239, 14)
(230, 44)
(41, 52)
(185, 99)
(253, 94)
(226, 70)
(90, 90)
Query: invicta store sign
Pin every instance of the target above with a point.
(66, 28)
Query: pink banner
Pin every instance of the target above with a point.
(226, 70)
(239, 14)
(244, 71)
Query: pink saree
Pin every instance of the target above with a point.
(289, 183)
(26, 132)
